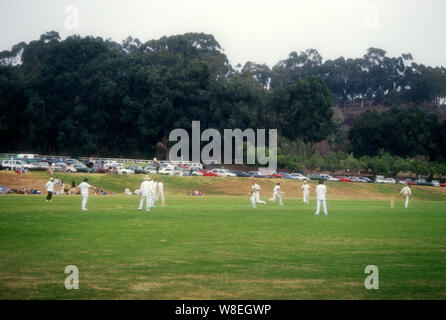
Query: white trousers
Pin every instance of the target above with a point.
(306, 196)
(406, 204)
(152, 197)
(276, 195)
(253, 200)
(145, 197)
(84, 202)
(318, 207)
(160, 194)
(257, 195)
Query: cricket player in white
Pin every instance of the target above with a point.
(321, 192)
(160, 192)
(406, 192)
(276, 194)
(255, 194)
(306, 192)
(84, 186)
(50, 189)
(145, 193)
(152, 194)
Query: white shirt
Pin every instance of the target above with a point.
(321, 191)
(255, 187)
(277, 189)
(306, 187)
(160, 187)
(84, 188)
(153, 186)
(406, 191)
(49, 186)
(145, 188)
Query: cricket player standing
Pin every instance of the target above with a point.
(276, 194)
(160, 192)
(306, 192)
(84, 186)
(144, 191)
(152, 195)
(321, 192)
(406, 192)
(49, 189)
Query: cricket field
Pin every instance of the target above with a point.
(218, 247)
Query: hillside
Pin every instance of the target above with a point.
(115, 185)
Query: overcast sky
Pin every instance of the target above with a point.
(248, 30)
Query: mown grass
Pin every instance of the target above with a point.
(217, 247)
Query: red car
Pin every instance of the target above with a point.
(344, 179)
(443, 184)
(208, 173)
(276, 175)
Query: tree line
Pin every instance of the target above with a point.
(90, 96)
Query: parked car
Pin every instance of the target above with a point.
(80, 167)
(381, 179)
(408, 181)
(72, 161)
(286, 175)
(328, 177)
(224, 172)
(194, 165)
(312, 176)
(435, 183)
(239, 173)
(209, 173)
(366, 180)
(276, 175)
(422, 182)
(16, 164)
(170, 171)
(344, 179)
(122, 170)
(255, 174)
(298, 176)
(137, 169)
(443, 184)
(150, 169)
(196, 173)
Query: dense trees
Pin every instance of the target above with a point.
(94, 96)
(90, 96)
(401, 132)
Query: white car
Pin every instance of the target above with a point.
(298, 176)
(122, 170)
(15, 164)
(110, 163)
(197, 166)
(381, 179)
(224, 172)
(328, 177)
(435, 183)
(196, 173)
(170, 171)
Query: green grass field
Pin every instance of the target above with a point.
(217, 247)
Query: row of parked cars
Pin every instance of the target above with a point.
(191, 169)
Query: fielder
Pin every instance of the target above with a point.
(306, 192)
(152, 195)
(321, 192)
(49, 189)
(255, 194)
(160, 192)
(276, 194)
(84, 186)
(144, 191)
(406, 192)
